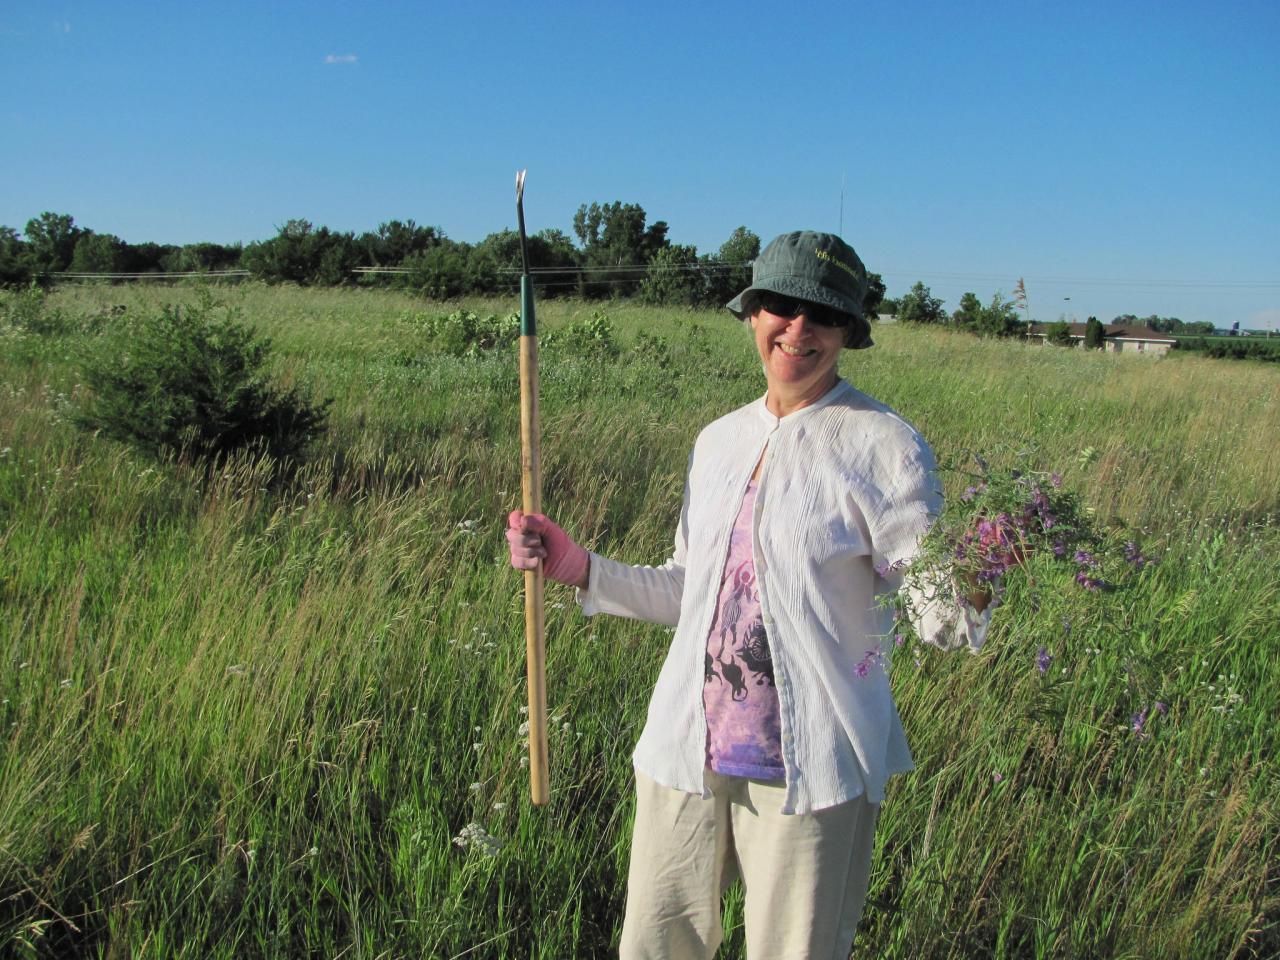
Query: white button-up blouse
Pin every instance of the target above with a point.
(846, 492)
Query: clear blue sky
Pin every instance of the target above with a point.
(1125, 155)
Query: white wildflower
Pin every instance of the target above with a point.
(475, 837)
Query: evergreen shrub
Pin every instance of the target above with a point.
(194, 380)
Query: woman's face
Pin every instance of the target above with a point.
(799, 356)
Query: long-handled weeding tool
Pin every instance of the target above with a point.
(531, 483)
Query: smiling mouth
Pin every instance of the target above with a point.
(795, 351)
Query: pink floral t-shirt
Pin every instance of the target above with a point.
(744, 727)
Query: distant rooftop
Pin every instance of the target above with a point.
(1110, 331)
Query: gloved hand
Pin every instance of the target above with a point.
(533, 537)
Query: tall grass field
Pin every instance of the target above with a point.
(243, 716)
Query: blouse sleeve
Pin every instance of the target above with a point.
(938, 610)
(651, 593)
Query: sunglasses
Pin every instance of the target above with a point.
(788, 307)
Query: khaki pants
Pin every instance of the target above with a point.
(805, 876)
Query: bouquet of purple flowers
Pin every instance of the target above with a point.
(1015, 521)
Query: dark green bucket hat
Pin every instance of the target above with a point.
(815, 267)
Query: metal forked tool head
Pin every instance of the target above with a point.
(524, 243)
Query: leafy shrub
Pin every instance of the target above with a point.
(653, 349)
(187, 379)
(26, 311)
(1238, 349)
(591, 339)
(1059, 334)
(463, 333)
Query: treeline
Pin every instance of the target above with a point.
(616, 252)
(998, 317)
(1237, 348)
(1166, 324)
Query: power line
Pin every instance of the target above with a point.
(1092, 281)
(150, 275)
(628, 272)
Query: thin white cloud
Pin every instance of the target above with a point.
(62, 26)
(341, 58)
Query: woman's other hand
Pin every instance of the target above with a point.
(533, 537)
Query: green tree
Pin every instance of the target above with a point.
(98, 253)
(969, 313)
(196, 257)
(999, 318)
(552, 259)
(616, 245)
(674, 277)
(728, 270)
(919, 305)
(441, 272)
(15, 263)
(1059, 334)
(51, 238)
(303, 254)
(146, 257)
(1094, 333)
(874, 297)
(395, 241)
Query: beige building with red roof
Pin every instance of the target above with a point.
(1115, 338)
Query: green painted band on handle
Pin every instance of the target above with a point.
(528, 323)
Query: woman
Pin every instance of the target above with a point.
(772, 728)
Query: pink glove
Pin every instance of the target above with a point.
(533, 537)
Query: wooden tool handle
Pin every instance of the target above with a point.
(534, 627)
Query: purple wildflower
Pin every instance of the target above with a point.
(1134, 555)
(997, 776)
(1137, 722)
(863, 667)
(1083, 556)
(1160, 707)
(1044, 660)
(899, 639)
(1059, 548)
(1056, 480)
(969, 494)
